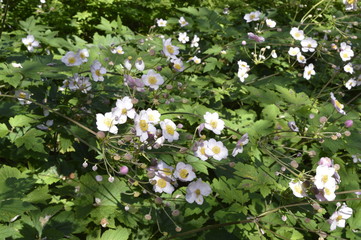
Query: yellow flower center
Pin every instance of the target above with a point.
(124, 111)
(143, 125)
(327, 191)
(213, 124)
(216, 149)
(71, 60)
(338, 104)
(161, 183)
(203, 150)
(169, 129)
(297, 34)
(339, 217)
(22, 95)
(120, 51)
(82, 55)
(198, 192)
(167, 171)
(170, 49)
(97, 72)
(252, 16)
(152, 80)
(298, 189)
(324, 178)
(183, 173)
(350, 1)
(177, 66)
(345, 55)
(151, 117)
(108, 122)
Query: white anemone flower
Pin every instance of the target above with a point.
(178, 65)
(201, 150)
(216, 149)
(350, 4)
(195, 59)
(196, 190)
(139, 64)
(195, 41)
(152, 79)
(239, 146)
(106, 123)
(162, 185)
(169, 130)
(213, 123)
(123, 110)
(165, 171)
(351, 83)
(309, 71)
(183, 37)
(297, 188)
(184, 172)
(161, 23)
(270, 23)
(153, 116)
(293, 51)
(142, 126)
(71, 59)
(324, 177)
(308, 45)
(83, 54)
(182, 22)
(117, 50)
(252, 16)
(346, 52)
(297, 34)
(348, 68)
(97, 71)
(338, 106)
(301, 58)
(30, 42)
(338, 218)
(329, 192)
(168, 49)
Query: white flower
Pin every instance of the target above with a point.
(274, 54)
(139, 64)
(242, 75)
(201, 150)
(118, 50)
(350, 83)
(213, 123)
(168, 49)
(239, 146)
(297, 34)
(178, 65)
(127, 63)
(195, 41)
(243, 65)
(162, 185)
(184, 172)
(30, 42)
(308, 45)
(71, 59)
(169, 130)
(16, 65)
(83, 54)
(216, 150)
(22, 96)
(161, 23)
(308, 71)
(348, 68)
(338, 218)
(123, 110)
(297, 188)
(106, 123)
(152, 79)
(329, 192)
(78, 83)
(142, 126)
(252, 16)
(182, 22)
(270, 23)
(165, 171)
(293, 51)
(97, 71)
(346, 52)
(196, 190)
(338, 106)
(324, 177)
(356, 158)
(195, 59)
(301, 58)
(153, 116)
(183, 38)
(350, 4)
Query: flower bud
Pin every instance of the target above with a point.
(175, 213)
(148, 217)
(323, 119)
(100, 135)
(123, 170)
(158, 200)
(348, 123)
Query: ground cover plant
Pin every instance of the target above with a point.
(233, 121)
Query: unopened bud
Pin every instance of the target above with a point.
(158, 200)
(123, 170)
(348, 123)
(178, 229)
(147, 217)
(294, 164)
(347, 133)
(100, 135)
(136, 194)
(175, 212)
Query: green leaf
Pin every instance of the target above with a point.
(32, 141)
(198, 164)
(3, 130)
(12, 207)
(117, 234)
(215, 49)
(22, 120)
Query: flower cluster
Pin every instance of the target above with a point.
(165, 178)
(339, 217)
